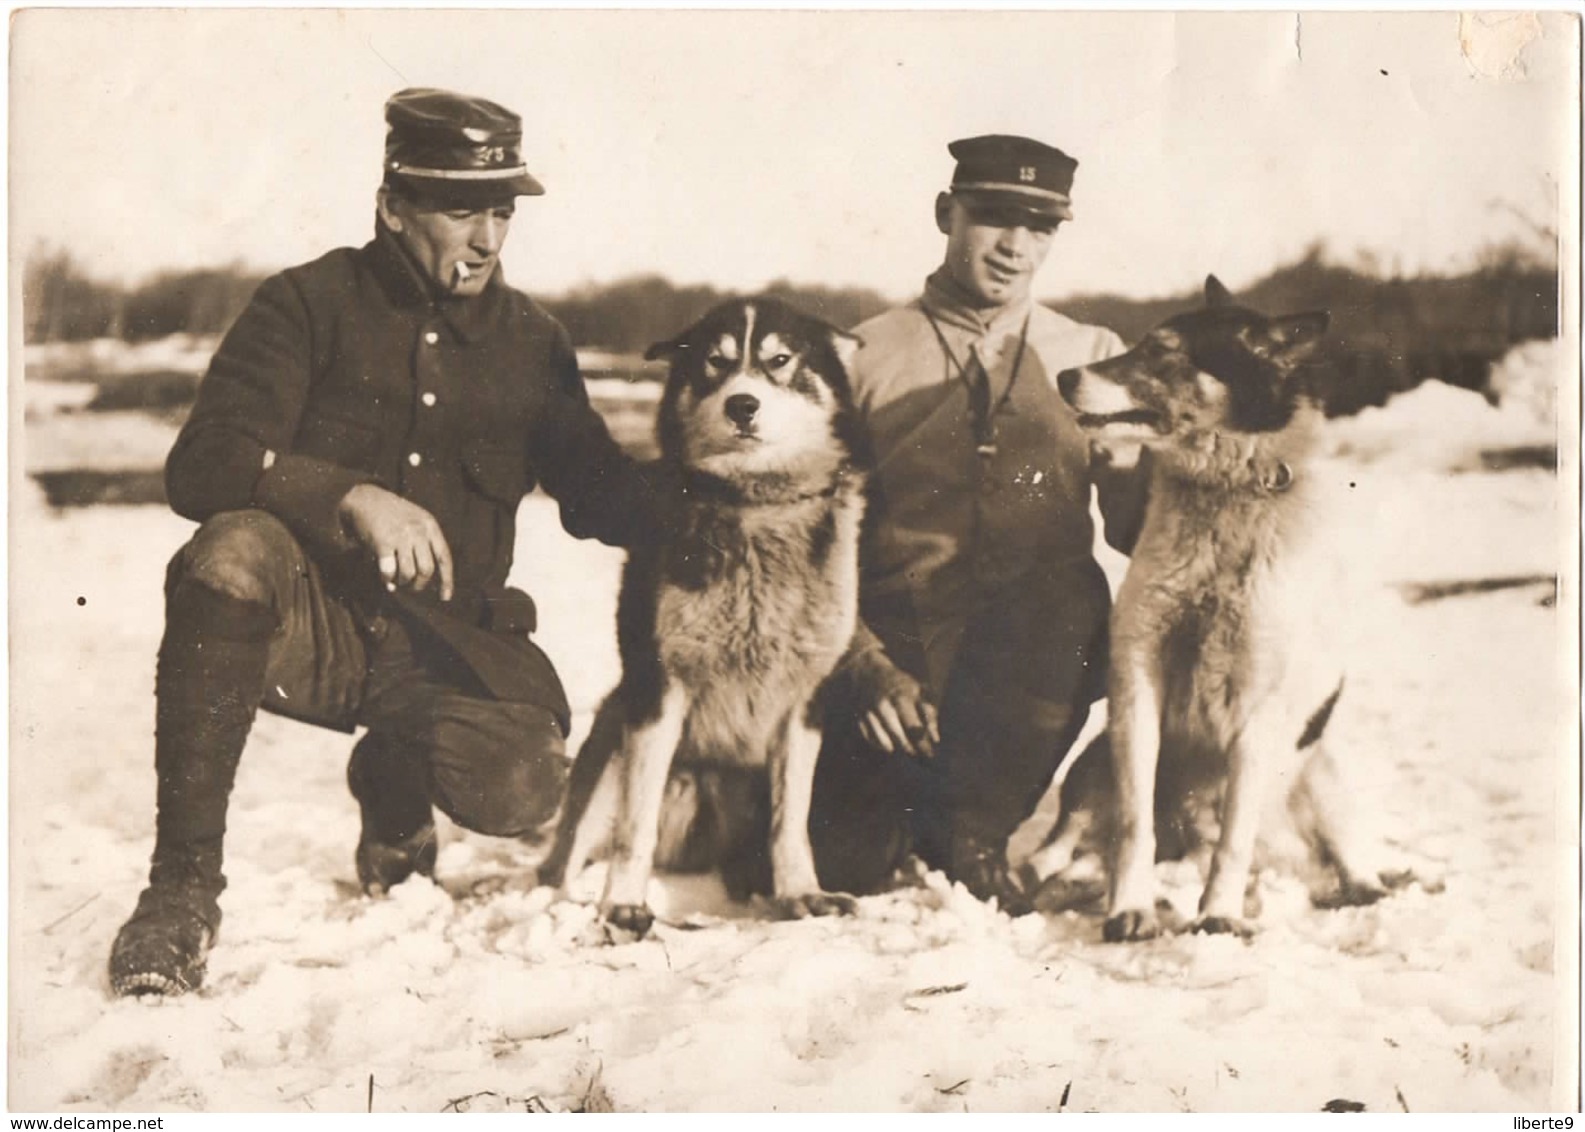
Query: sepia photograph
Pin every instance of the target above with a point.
(803, 560)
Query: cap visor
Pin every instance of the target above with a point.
(1042, 206)
(471, 194)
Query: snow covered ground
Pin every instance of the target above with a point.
(484, 993)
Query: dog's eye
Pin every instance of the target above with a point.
(778, 361)
(717, 361)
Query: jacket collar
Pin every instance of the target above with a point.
(946, 301)
(407, 287)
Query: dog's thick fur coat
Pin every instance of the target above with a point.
(728, 631)
(1225, 668)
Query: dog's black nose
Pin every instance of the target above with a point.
(1067, 382)
(740, 409)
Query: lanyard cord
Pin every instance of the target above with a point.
(984, 411)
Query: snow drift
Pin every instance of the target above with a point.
(484, 993)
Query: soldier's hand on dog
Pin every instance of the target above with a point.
(405, 539)
(896, 713)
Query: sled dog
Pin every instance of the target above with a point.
(728, 631)
(1224, 669)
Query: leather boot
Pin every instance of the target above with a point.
(164, 947)
(981, 867)
(391, 783)
(207, 688)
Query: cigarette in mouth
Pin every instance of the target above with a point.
(463, 274)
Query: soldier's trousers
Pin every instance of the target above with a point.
(250, 622)
(1021, 679)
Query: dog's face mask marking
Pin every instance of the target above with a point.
(1221, 369)
(755, 388)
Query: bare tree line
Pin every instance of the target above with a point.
(1388, 333)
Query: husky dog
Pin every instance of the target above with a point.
(1223, 667)
(729, 630)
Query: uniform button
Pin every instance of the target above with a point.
(414, 459)
(428, 398)
(431, 337)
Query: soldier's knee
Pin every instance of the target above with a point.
(248, 556)
(497, 768)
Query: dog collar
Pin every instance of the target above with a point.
(707, 488)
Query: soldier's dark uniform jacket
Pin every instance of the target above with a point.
(344, 371)
(368, 369)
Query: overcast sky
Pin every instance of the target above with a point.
(737, 148)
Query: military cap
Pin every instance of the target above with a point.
(1014, 170)
(455, 149)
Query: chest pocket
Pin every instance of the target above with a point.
(497, 479)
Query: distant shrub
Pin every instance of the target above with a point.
(630, 315)
(840, 306)
(61, 304)
(87, 487)
(1387, 335)
(157, 391)
(191, 302)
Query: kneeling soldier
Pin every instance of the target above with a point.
(356, 457)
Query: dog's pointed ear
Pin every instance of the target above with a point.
(1294, 337)
(846, 344)
(1217, 295)
(667, 349)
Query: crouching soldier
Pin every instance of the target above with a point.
(356, 457)
(987, 608)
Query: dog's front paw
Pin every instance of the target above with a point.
(806, 904)
(1223, 925)
(635, 919)
(1131, 925)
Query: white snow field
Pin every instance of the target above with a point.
(482, 992)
